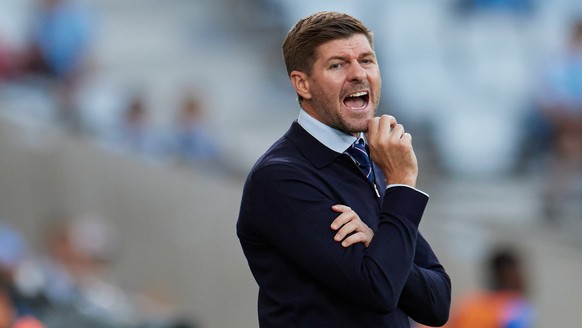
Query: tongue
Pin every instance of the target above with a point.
(354, 102)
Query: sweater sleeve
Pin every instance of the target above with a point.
(426, 296)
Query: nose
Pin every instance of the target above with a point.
(357, 72)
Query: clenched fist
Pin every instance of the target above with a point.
(391, 149)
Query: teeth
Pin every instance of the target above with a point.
(358, 94)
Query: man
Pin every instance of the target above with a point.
(560, 102)
(504, 304)
(327, 242)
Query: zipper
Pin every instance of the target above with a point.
(376, 190)
(374, 178)
(362, 174)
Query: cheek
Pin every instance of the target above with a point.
(375, 77)
(331, 91)
(377, 87)
(333, 82)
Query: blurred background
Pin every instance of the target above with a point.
(127, 128)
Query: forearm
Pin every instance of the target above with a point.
(391, 252)
(426, 297)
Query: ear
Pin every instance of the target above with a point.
(300, 82)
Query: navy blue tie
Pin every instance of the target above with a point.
(358, 153)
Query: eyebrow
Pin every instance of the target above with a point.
(343, 58)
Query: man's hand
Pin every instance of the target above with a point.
(350, 228)
(391, 149)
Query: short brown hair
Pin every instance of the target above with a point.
(312, 31)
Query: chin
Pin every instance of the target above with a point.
(357, 127)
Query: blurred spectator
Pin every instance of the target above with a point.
(504, 303)
(514, 7)
(8, 61)
(8, 313)
(11, 249)
(17, 309)
(80, 250)
(135, 132)
(60, 50)
(193, 140)
(6, 309)
(561, 110)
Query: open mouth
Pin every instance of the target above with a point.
(357, 100)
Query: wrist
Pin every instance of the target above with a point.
(408, 181)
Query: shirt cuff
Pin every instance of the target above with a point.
(407, 186)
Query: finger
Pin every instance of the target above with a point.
(346, 230)
(386, 125)
(398, 130)
(340, 208)
(388, 121)
(359, 237)
(342, 219)
(406, 140)
(373, 124)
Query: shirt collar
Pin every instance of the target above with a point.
(333, 139)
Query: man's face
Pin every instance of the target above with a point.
(343, 89)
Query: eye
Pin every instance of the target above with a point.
(335, 66)
(366, 61)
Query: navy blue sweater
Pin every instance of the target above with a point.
(305, 278)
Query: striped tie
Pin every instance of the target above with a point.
(358, 153)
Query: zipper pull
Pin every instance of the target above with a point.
(376, 190)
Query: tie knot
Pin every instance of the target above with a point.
(360, 144)
(357, 151)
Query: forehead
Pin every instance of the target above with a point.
(353, 46)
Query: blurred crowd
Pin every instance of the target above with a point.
(532, 96)
(189, 140)
(560, 115)
(57, 62)
(64, 282)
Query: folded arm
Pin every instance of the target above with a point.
(374, 276)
